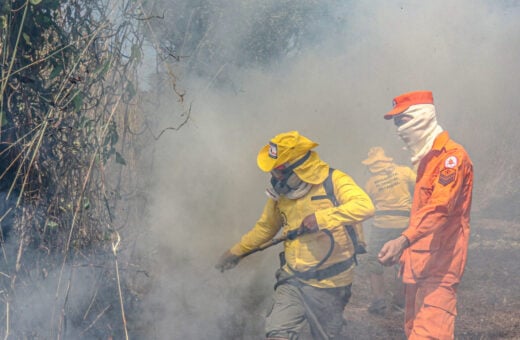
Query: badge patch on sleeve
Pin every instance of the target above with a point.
(451, 162)
(447, 176)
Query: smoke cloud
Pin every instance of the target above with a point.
(206, 190)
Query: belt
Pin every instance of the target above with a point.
(330, 271)
(405, 213)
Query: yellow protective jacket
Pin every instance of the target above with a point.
(306, 251)
(391, 189)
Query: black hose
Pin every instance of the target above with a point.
(326, 257)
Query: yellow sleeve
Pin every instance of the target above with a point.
(264, 230)
(411, 178)
(354, 204)
(370, 188)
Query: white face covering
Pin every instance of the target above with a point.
(419, 133)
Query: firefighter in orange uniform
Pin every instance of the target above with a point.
(433, 249)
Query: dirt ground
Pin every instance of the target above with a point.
(488, 299)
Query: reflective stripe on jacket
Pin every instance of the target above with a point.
(390, 188)
(307, 251)
(439, 222)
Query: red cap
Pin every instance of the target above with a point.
(403, 102)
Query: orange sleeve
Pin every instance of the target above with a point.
(441, 197)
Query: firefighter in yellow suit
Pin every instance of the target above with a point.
(314, 281)
(391, 188)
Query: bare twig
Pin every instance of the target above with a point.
(115, 246)
(7, 321)
(175, 128)
(95, 320)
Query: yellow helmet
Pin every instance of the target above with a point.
(291, 147)
(283, 148)
(376, 154)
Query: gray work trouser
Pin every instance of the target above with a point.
(297, 305)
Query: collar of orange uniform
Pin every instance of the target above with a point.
(441, 140)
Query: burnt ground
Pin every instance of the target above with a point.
(488, 298)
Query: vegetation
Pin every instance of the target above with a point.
(71, 132)
(208, 37)
(68, 88)
(72, 129)
(74, 132)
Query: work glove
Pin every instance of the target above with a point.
(227, 261)
(309, 224)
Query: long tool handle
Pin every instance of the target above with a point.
(290, 236)
(264, 246)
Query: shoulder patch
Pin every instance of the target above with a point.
(451, 162)
(447, 176)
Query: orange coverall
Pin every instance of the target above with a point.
(438, 232)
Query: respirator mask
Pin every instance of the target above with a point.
(285, 182)
(290, 181)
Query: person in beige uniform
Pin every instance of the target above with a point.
(314, 281)
(391, 189)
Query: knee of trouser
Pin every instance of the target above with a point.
(433, 322)
(373, 265)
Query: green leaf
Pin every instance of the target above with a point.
(87, 124)
(86, 203)
(52, 225)
(131, 89)
(120, 159)
(112, 134)
(3, 119)
(114, 137)
(107, 153)
(136, 53)
(78, 101)
(35, 2)
(3, 22)
(106, 140)
(103, 69)
(27, 39)
(56, 71)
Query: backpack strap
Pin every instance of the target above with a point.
(329, 190)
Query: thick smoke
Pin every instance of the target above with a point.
(333, 87)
